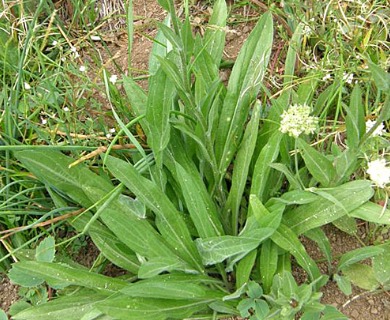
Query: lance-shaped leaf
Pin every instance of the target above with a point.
(72, 307)
(85, 187)
(320, 167)
(347, 198)
(169, 220)
(355, 119)
(243, 87)
(217, 249)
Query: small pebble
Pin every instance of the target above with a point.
(355, 314)
(374, 311)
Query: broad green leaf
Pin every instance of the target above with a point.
(3, 315)
(214, 37)
(169, 221)
(262, 167)
(108, 244)
(24, 278)
(217, 249)
(381, 77)
(123, 307)
(345, 164)
(285, 238)
(357, 255)
(320, 167)
(202, 209)
(355, 121)
(372, 212)
(46, 250)
(72, 307)
(346, 224)
(343, 283)
(161, 46)
(331, 313)
(322, 211)
(159, 106)
(361, 275)
(241, 169)
(155, 266)
(86, 188)
(294, 183)
(61, 275)
(319, 237)
(268, 263)
(295, 197)
(244, 84)
(173, 286)
(137, 97)
(244, 268)
(381, 266)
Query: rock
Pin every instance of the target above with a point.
(374, 311)
(355, 314)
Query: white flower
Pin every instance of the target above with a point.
(73, 49)
(297, 120)
(43, 121)
(108, 135)
(82, 68)
(379, 173)
(113, 79)
(112, 130)
(27, 86)
(326, 77)
(66, 109)
(54, 43)
(378, 131)
(307, 30)
(348, 78)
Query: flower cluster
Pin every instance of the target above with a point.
(378, 131)
(297, 120)
(379, 173)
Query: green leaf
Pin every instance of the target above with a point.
(23, 277)
(355, 121)
(244, 84)
(72, 307)
(361, 275)
(345, 164)
(175, 287)
(169, 221)
(318, 235)
(294, 183)
(372, 212)
(381, 77)
(331, 313)
(217, 249)
(123, 307)
(285, 238)
(3, 315)
(346, 224)
(46, 250)
(322, 211)
(62, 275)
(268, 263)
(241, 169)
(155, 266)
(262, 167)
(320, 167)
(381, 266)
(214, 37)
(295, 197)
(244, 268)
(159, 106)
(357, 255)
(202, 209)
(343, 284)
(161, 46)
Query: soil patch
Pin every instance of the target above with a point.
(8, 293)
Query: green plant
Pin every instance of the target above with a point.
(217, 201)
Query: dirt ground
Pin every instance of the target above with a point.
(359, 305)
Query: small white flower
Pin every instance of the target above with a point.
(378, 172)
(113, 79)
(297, 120)
(348, 78)
(108, 135)
(307, 30)
(43, 121)
(27, 86)
(112, 130)
(73, 49)
(326, 77)
(66, 109)
(378, 131)
(54, 43)
(82, 68)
